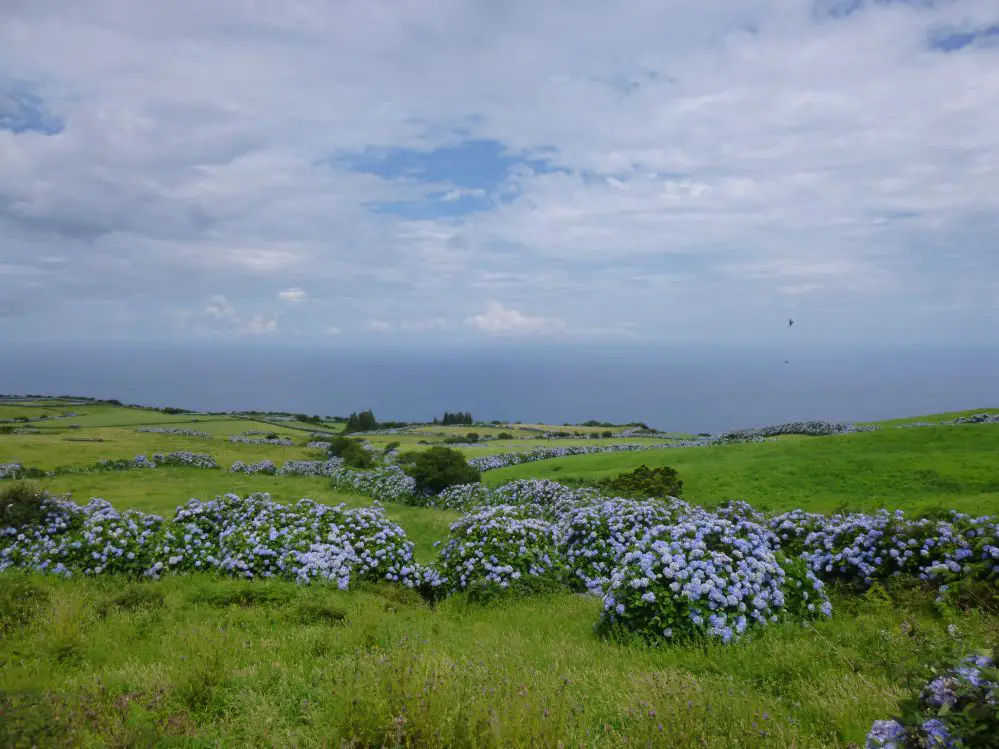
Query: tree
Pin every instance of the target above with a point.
(437, 468)
(351, 452)
(361, 422)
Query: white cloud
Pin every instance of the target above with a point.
(220, 308)
(759, 152)
(497, 319)
(220, 317)
(331, 330)
(378, 326)
(438, 323)
(294, 294)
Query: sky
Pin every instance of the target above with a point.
(413, 172)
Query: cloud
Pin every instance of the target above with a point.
(706, 164)
(294, 294)
(378, 326)
(499, 320)
(220, 317)
(331, 330)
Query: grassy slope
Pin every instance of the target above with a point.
(394, 672)
(953, 466)
(520, 673)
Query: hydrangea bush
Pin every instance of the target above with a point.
(263, 466)
(247, 537)
(958, 707)
(593, 538)
(175, 431)
(389, 483)
(499, 546)
(811, 428)
(185, 458)
(701, 576)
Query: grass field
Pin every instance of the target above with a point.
(912, 469)
(206, 661)
(48, 451)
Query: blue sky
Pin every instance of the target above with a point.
(464, 171)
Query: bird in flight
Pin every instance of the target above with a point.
(790, 323)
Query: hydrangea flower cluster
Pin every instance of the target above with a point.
(284, 441)
(175, 431)
(962, 700)
(811, 428)
(499, 545)
(10, 470)
(185, 458)
(982, 418)
(317, 445)
(91, 540)
(388, 483)
(124, 464)
(247, 537)
(461, 497)
(703, 575)
(864, 548)
(593, 538)
(551, 498)
(310, 467)
(263, 466)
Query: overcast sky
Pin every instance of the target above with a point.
(330, 171)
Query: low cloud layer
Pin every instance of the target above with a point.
(665, 171)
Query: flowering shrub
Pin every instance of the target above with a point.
(982, 418)
(90, 540)
(247, 537)
(317, 445)
(811, 428)
(10, 470)
(499, 546)
(462, 497)
(124, 464)
(864, 548)
(310, 467)
(957, 708)
(389, 483)
(185, 458)
(284, 441)
(593, 538)
(264, 466)
(175, 431)
(703, 575)
(550, 498)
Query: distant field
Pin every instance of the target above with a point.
(48, 451)
(952, 466)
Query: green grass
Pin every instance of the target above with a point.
(213, 662)
(912, 469)
(224, 663)
(50, 450)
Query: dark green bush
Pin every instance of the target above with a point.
(504, 436)
(437, 468)
(351, 452)
(21, 505)
(645, 482)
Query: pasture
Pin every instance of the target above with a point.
(200, 659)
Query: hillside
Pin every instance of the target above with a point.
(407, 655)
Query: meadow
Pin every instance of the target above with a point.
(200, 659)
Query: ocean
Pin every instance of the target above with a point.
(678, 388)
